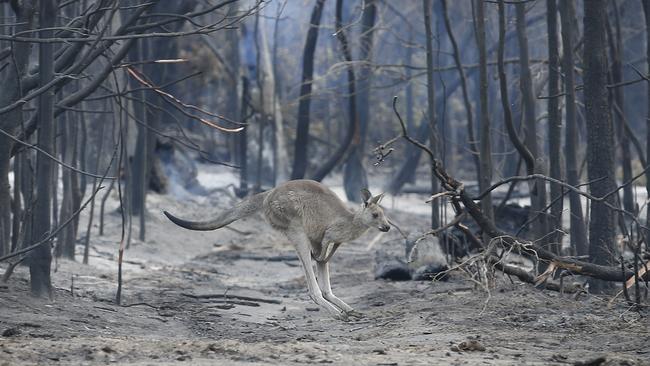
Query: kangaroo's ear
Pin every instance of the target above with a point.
(365, 195)
(376, 199)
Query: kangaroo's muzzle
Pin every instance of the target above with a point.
(384, 228)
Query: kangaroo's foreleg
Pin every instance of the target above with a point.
(303, 248)
(327, 251)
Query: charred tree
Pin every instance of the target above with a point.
(537, 187)
(485, 144)
(600, 136)
(474, 149)
(300, 159)
(578, 231)
(554, 126)
(65, 241)
(354, 174)
(431, 108)
(40, 259)
(353, 116)
(242, 142)
(137, 180)
(646, 12)
(617, 104)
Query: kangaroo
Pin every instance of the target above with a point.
(315, 221)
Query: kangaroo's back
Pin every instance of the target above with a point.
(303, 202)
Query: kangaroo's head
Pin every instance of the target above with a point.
(371, 213)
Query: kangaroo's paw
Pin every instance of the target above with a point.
(355, 314)
(342, 316)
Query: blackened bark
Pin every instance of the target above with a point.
(646, 12)
(473, 147)
(554, 125)
(100, 149)
(138, 169)
(40, 259)
(431, 108)
(617, 97)
(354, 174)
(300, 158)
(353, 118)
(486, 149)
(65, 238)
(261, 116)
(242, 143)
(578, 231)
(521, 147)
(538, 187)
(231, 50)
(600, 135)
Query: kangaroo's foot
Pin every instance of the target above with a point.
(355, 314)
(342, 316)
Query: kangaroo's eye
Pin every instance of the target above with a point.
(375, 215)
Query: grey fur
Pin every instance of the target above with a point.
(316, 222)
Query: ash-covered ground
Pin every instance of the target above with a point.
(239, 297)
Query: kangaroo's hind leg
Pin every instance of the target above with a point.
(303, 248)
(323, 276)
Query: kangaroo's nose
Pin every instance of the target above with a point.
(384, 228)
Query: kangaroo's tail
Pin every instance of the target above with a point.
(244, 208)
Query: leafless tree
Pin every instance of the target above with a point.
(486, 146)
(600, 135)
(300, 159)
(578, 231)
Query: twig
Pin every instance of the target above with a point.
(438, 195)
(140, 78)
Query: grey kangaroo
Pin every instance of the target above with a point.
(316, 222)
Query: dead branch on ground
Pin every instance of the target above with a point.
(462, 203)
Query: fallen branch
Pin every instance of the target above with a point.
(607, 273)
(528, 277)
(229, 296)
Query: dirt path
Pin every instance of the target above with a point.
(256, 309)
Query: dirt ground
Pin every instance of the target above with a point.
(238, 298)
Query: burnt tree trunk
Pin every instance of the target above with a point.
(473, 147)
(486, 149)
(242, 143)
(646, 12)
(600, 136)
(578, 231)
(354, 174)
(554, 126)
(431, 108)
(353, 122)
(617, 99)
(537, 187)
(40, 259)
(300, 159)
(65, 238)
(138, 187)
